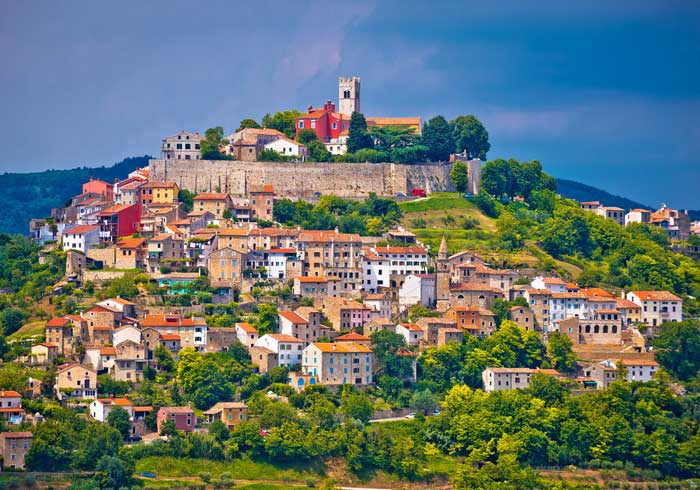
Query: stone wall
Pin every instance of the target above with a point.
(303, 180)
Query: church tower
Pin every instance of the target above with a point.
(442, 271)
(348, 95)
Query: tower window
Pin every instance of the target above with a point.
(346, 94)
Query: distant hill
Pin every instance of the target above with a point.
(583, 192)
(32, 195)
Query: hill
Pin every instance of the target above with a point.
(32, 195)
(583, 192)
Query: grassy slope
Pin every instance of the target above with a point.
(482, 239)
(28, 330)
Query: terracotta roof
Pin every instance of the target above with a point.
(282, 250)
(102, 329)
(327, 236)
(233, 232)
(80, 229)
(268, 188)
(344, 347)
(639, 362)
(117, 208)
(168, 321)
(593, 292)
(568, 295)
(17, 435)
(178, 409)
(246, 327)
(121, 402)
(411, 326)
(351, 337)
(160, 185)
(58, 322)
(623, 303)
(169, 336)
(375, 297)
(130, 243)
(211, 196)
(143, 409)
(656, 295)
(401, 250)
(280, 337)
(49, 345)
(292, 317)
(382, 321)
(311, 279)
(553, 280)
(108, 351)
(393, 121)
(9, 394)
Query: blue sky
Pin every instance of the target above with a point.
(603, 92)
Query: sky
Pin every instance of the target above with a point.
(606, 93)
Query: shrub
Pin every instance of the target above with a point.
(419, 223)
(205, 477)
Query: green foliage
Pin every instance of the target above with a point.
(107, 385)
(123, 287)
(119, 419)
(11, 319)
(317, 152)
(486, 204)
(424, 401)
(385, 345)
(356, 406)
(269, 155)
(267, 318)
(459, 176)
(284, 121)
(203, 380)
(113, 473)
(677, 348)
(470, 136)
(513, 178)
(559, 350)
(372, 216)
(247, 123)
(437, 137)
(358, 136)
(306, 136)
(211, 144)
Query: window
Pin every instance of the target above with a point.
(313, 124)
(301, 124)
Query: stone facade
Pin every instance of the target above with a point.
(303, 180)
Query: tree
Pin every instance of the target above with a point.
(248, 123)
(460, 176)
(284, 121)
(318, 152)
(356, 406)
(471, 136)
(202, 378)
(424, 401)
(164, 358)
(123, 287)
(219, 431)
(386, 346)
(267, 318)
(358, 136)
(437, 136)
(306, 136)
(113, 473)
(559, 350)
(11, 320)
(387, 137)
(678, 348)
(212, 143)
(119, 419)
(168, 428)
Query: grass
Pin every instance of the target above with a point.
(436, 202)
(28, 330)
(244, 469)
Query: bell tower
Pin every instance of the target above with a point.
(348, 95)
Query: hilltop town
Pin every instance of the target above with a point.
(327, 286)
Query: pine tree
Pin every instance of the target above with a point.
(358, 138)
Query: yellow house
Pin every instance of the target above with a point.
(159, 193)
(214, 202)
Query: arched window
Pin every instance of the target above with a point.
(614, 329)
(460, 297)
(596, 329)
(588, 329)
(605, 329)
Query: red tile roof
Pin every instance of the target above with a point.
(292, 317)
(80, 229)
(9, 394)
(656, 295)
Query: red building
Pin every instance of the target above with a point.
(100, 187)
(327, 123)
(183, 417)
(118, 221)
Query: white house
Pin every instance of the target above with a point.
(182, 146)
(553, 284)
(100, 408)
(287, 348)
(411, 332)
(81, 237)
(287, 147)
(657, 306)
(640, 369)
(566, 305)
(380, 303)
(126, 333)
(500, 379)
(246, 334)
(418, 289)
(277, 262)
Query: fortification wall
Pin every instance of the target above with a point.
(302, 180)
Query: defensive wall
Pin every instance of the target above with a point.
(303, 180)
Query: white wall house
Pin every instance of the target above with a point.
(418, 289)
(287, 147)
(287, 348)
(411, 333)
(246, 334)
(182, 146)
(566, 305)
(100, 408)
(81, 237)
(657, 306)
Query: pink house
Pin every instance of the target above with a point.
(101, 187)
(183, 417)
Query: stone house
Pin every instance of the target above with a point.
(14, 447)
